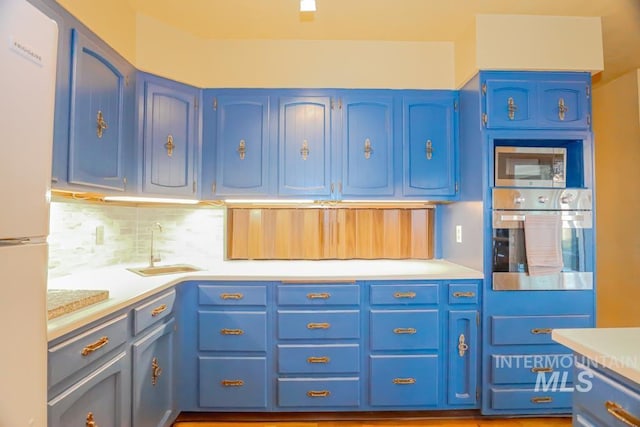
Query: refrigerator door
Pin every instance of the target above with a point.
(23, 359)
(28, 48)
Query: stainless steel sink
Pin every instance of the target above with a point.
(164, 269)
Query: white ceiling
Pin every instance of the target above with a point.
(392, 20)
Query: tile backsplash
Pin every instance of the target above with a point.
(91, 235)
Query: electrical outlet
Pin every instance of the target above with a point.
(100, 235)
(458, 234)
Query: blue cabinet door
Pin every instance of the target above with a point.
(305, 147)
(170, 139)
(242, 140)
(564, 104)
(463, 351)
(429, 144)
(367, 146)
(102, 397)
(153, 378)
(510, 103)
(97, 126)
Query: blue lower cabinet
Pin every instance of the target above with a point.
(531, 368)
(319, 392)
(232, 331)
(325, 324)
(404, 329)
(462, 375)
(530, 399)
(233, 382)
(404, 380)
(319, 359)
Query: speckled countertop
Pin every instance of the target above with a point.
(65, 301)
(127, 288)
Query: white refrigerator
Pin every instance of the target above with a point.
(28, 49)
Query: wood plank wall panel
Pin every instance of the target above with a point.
(330, 233)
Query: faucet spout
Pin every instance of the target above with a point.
(152, 257)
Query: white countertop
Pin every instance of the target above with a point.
(126, 288)
(617, 349)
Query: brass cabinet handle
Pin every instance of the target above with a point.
(90, 421)
(368, 150)
(429, 149)
(323, 359)
(464, 294)
(156, 311)
(400, 331)
(545, 369)
(156, 371)
(318, 325)
(544, 399)
(319, 393)
(101, 125)
(231, 296)
(462, 345)
(399, 295)
(562, 109)
(620, 414)
(322, 295)
(232, 383)
(95, 346)
(404, 381)
(540, 331)
(512, 108)
(226, 331)
(242, 149)
(304, 151)
(169, 145)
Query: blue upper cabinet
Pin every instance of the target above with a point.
(170, 138)
(429, 140)
(540, 100)
(367, 146)
(98, 128)
(242, 143)
(305, 147)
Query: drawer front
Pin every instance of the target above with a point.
(318, 392)
(80, 351)
(404, 294)
(404, 330)
(530, 399)
(338, 324)
(232, 331)
(153, 311)
(463, 293)
(605, 399)
(509, 330)
(232, 295)
(319, 359)
(233, 382)
(404, 380)
(531, 368)
(319, 294)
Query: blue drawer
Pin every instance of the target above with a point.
(404, 380)
(404, 330)
(335, 324)
(153, 311)
(530, 399)
(410, 294)
(463, 293)
(232, 295)
(512, 330)
(319, 359)
(233, 382)
(318, 392)
(232, 330)
(319, 294)
(527, 368)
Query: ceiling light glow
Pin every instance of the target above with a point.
(307, 5)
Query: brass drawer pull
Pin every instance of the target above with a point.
(242, 149)
(101, 125)
(169, 145)
(368, 150)
(231, 296)
(620, 414)
(562, 109)
(232, 383)
(323, 359)
(540, 331)
(429, 149)
(545, 399)
(511, 108)
(545, 369)
(95, 346)
(156, 311)
(464, 294)
(405, 331)
(462, 345)
(156, 371)
(404, 295)
(404, 381)
(90, 421)
(323, 295)
(226, 331)
(318, 325)
(319, 393)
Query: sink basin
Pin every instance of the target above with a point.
(164, 269)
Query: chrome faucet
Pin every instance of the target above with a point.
(154, 258)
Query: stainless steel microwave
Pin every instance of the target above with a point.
(530, 167)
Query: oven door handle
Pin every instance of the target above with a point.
(522, 217)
